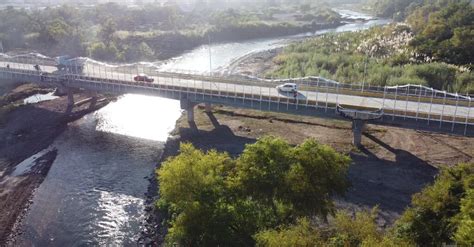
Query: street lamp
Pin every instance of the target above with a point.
(365, 69)
(210, 55)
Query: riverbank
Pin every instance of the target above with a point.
(393, 164)
(25, 131)
(254, 64)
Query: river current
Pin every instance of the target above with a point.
(94, 193)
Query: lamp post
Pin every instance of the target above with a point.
(210, 54)
(365, 70)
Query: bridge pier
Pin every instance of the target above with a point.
(358, 127)
(188, 106)
(70, 97)
(93, 95)
(208, 107)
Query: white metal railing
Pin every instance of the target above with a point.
(408, 101)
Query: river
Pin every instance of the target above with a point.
(94, 193)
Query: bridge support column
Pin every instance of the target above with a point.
(190, 112)
(70, 97)
(189, 107)
(358, 126)
(93, 95)
(208, 107)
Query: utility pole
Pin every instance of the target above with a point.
(365, 71)
(210, 55)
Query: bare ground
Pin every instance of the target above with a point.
(256, 64)
(393, 164)
(24, 131)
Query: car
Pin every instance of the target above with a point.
(143, 78)
(287, 87)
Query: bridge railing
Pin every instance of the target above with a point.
(308, 83)
(397, 108)
(412, 102)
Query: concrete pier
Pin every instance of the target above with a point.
(189, 107)
(70, 97)
(358, 127)
(208, 107)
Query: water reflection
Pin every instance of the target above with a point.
(140, 116)
(94, 192)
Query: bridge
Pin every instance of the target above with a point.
(409, 106)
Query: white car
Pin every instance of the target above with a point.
(287, 87)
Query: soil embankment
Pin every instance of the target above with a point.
(26, 130)
(393, 164)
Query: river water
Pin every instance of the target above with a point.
(94, 193)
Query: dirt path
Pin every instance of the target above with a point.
(25, 131)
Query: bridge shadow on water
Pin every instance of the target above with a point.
(389, 184)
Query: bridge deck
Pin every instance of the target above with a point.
(425, 113)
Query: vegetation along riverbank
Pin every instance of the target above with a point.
(113, 32)
(413, 52)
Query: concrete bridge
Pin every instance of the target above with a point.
(409, 106)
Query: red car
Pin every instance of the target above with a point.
(143, 77)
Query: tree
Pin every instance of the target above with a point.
(465, 233)
(193, 189)
(137, 52)
(107, 31)
(105, 52)
(302, 178)
(302, 234)
(345, 230)
(214, 200)
(434, 217)
(444, 34)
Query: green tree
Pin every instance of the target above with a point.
(434, 215)
(214, 200)
(193, 189)
(465, 233)
(138, 52)
(107, 31)
(104, 52)
(345, 230)
(302, 234)
(302, 178)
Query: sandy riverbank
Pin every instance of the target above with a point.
(255, 64)
(26, 130)
(393, 164)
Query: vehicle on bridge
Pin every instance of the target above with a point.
(143, 78)
(70, 65)
(287, 87)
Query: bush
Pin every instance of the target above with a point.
(436, 215)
